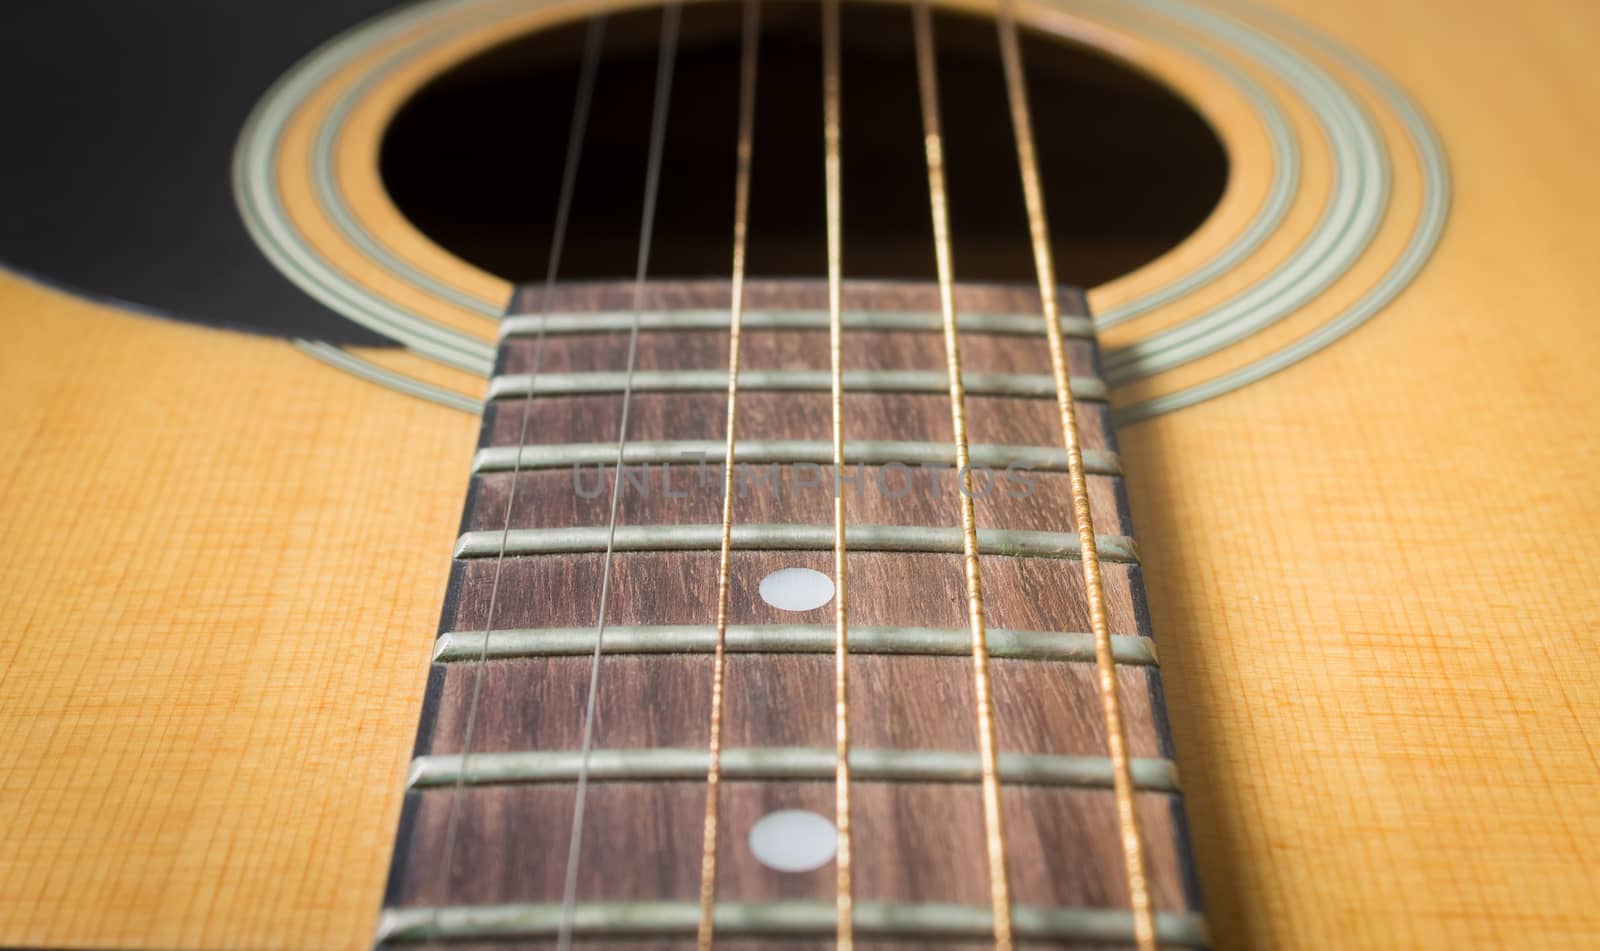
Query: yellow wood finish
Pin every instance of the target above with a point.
(221, 577)
(1372, 577)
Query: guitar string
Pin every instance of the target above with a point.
(1132, 844)
(658, 122)
(576, 133)
(844, 901)
(1133, 856)
(749, 43)
(933, 148)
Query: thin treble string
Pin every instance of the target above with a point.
(749, 41)
(844, 901)
(658, 125)
(933, 147)
(569, 174)
(1144, 930)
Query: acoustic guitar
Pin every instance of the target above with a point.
(513, 474)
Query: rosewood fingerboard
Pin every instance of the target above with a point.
(919, 869)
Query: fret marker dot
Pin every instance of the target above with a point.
(796, 589)
(793, 840)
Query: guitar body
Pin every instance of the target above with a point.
(1370, 574)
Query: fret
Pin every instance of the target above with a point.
(789, 920)
(915, 801)
(566, 324)
(465, 646)
(783, 537)
(783, 451)
(778, 763)
(1031, 385)
(584, 299)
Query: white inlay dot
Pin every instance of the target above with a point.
(796, 589)
(793, 840)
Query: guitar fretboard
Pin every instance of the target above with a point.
(502, 775)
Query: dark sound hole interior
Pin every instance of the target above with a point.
(475, 158)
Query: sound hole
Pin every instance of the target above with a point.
(475, 158)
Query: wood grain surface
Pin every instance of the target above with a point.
(217, 646)
(913, 842)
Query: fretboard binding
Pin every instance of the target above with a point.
(874, 538)
(1073, 647)
(778, 764)
(786, 452)
(601, 382)
(790, 919)
(565, 324)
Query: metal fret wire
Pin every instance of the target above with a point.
(933, 147)
(749, 43)
(833, 172)
(658, 122)
(583, 98)
(1133, 857)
